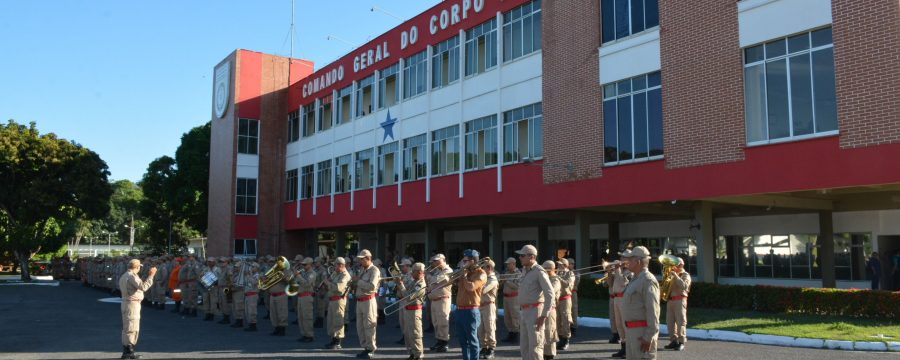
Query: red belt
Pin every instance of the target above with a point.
(619, 294)
(335, 298)
(679, 297)
(365, 298)
(306, 294)
(281, 293)
(635, 324)
(250, 293)
(529, 306)
(415, 307)
(467, 307)
(567, 297)
(511, 295)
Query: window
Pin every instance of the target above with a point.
(342, 174)
(850, 252)
(621, 18)
(481, 47)
(387, 164)
(309, 119)
(246, 196)
(293, 126)
(523, 137)
(655, 245)
(785, 256)
(306, 181)
(244, 247)
(248, 136)
(292, 185)
(445, 63)
(414, 157)
(632, 119)
(389, 87)
(365, 95)
(445, 151)
(343, 106)
(686, 249)
(481, 143)
(323, 182)
(364, 169)
(789, 88)
(325, 119)
(522, 31)
(414, 80)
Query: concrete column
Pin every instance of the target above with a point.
(340, 243)
(706, 243)
(434, 239)
(545, 250)
(615, 240)
(495, 241)
(312, 243)
(826, 249)
(582, 238)
(369, 242)
(381, 241)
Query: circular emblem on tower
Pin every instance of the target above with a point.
(221, 87)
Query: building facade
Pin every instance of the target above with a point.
(757, 139)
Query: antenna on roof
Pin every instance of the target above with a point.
(292, 29)
(383, 11)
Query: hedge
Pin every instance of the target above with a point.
(776, 299)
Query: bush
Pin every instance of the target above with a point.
(775, 299)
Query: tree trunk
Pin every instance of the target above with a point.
(23, 260)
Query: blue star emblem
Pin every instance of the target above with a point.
(388, 126)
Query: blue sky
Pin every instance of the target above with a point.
(127, 78)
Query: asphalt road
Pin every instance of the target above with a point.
(69, 322)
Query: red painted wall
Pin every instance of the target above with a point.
(783, 167)
(245, 226)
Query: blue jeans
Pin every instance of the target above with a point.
(467, 322)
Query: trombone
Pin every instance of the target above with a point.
(608, 267)
(393, 308)
(453, 277)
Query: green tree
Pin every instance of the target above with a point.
(192, 177)
(165, 229)
(48, 185)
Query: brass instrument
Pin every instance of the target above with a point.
(417, 294)
(508, 276)
(608, 267)
(456, 275)
(274, 275)
(668, 262)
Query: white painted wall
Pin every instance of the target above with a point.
(632, 56)
(763, 20)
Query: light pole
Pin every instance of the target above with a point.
(108, 243)
(132, 230)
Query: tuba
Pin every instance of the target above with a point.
(275, 274)
(668, 262)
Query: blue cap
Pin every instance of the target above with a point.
(470, 253)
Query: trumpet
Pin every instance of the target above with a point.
(607, 268)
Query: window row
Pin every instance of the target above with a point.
(521, 36)
(382, 166)
(791, 256)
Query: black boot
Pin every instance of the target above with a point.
(252, 327)
(126, 352)
(208, 317)
(678, 347)
(572, 330)
(441, 346)
(549, 357)
(671, 345)
(239, 323)
(621, 353)
(225, 320)
(281, 331)
(614, 339)
(365, 354)
(488, 353)
(177, 307)
(562, 344)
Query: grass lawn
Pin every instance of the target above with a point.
(750, 322)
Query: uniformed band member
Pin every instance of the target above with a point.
(535, 299)
(574, 324)
(306, 302)
(405, 277)
(366, 308)
(223, 271)
(187, 283)
(210, 304)
(468, 302)
(414, 288)
(132, 294)
(676, 308)
(237, 293)
(641, 307)
(278, 306)
(159, 285)
(551, 330)
(620, 277)
(487, 330)
(321, 302)
(511, 313)
(251, 296)
(439, 296)
(337, 288)
(566, 279)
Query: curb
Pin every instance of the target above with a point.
(774, 340)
